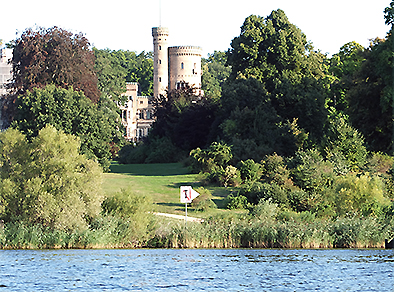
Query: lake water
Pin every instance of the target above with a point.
(197, 270)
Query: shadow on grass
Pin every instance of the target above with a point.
(170, 204)
(157, 169)
(194, 184)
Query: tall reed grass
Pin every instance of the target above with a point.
(229, 231)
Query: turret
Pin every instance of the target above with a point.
(160, 60)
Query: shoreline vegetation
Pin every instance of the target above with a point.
(127, 220)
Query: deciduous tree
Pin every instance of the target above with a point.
(53, 56)
(47, 180)
(73, 113)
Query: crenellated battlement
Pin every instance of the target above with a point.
(185, 51)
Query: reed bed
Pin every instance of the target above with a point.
(215, 232)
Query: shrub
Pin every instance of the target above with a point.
(361, 195)
(249, 170)
(265, 210)
(256, 191)
(204, 201)
(234, 202)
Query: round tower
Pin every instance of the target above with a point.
(185, 66)
(160, 60)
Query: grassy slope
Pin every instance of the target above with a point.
(160, 181)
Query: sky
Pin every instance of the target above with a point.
(210, 24)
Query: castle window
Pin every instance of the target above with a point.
(159, 79)
(182, 66)
(160, 48)
(159, 61)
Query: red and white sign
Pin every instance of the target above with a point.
(188, 194)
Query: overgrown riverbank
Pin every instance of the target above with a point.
(133, 192)
(265, 228)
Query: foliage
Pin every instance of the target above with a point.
(53, 56)
(249, 170)
(311, 172)
(370, 96)
(47, 181)
(257, 191)
(287, 72)
(215, 72)
(343, 140)
(265, 211)
(110, 74)
(136, 221)
(115, 68)
(343, 66)
(236, 201)
(204, 201)
(214, 162)
(126, 204)
(359, 195)
(73, 113)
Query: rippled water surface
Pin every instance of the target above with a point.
(197, 270)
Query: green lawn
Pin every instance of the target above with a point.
(160, 181)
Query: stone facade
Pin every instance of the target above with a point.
(136, 113)
(174, 66)
(185, 67)
(5, 69)
(5, 77)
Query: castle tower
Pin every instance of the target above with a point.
(160, 60)
(185, 66)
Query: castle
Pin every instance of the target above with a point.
(172, 68)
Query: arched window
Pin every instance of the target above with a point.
(160, 48)
(182, 65)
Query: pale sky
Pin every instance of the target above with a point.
(211, 24)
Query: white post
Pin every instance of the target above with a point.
(185, 213)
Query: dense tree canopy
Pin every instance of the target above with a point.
(115, 68)
(53, 56)
(47, 180)
(277, 78)
(215, 72)
(71, 112)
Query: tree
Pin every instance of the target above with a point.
(370, 97)
(343, 66)
(184, 118)
(276, 71)
(53, 56)
(111, 75)
(73, 113)
(215, 72)
(47, 180)
(344, 141)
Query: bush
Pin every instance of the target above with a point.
(132, 215)
(265, 210)
(249, 170)
(204, 201)
(360, 195)
(234, 202)
(256, 191)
